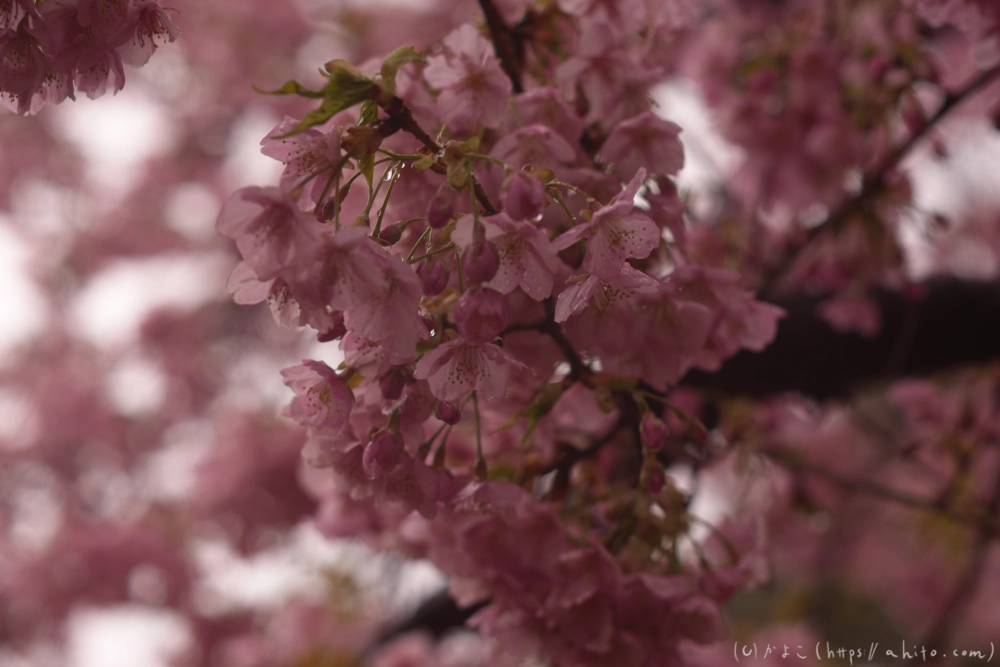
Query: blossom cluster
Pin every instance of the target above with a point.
(49, 50)
(532, 259)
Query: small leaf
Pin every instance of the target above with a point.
(367, 167)
(394, 62)
(293, 87)
(425, 162)
(369, 112)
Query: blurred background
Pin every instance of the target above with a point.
(140, 443)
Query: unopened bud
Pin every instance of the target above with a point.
(392, 233)
(392, 384)
(336, 330)
(480, 314)
(434, 276)
(448, 412)
(441, 208)
(524, 197)
(382, 454)
(480, 262)
(653, 431)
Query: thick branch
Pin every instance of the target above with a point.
(954, 323)
(506, 44)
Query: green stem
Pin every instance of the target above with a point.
(436, 251)
(480, 460)
(417, 244)
(559, 200)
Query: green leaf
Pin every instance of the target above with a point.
(369, 112)
(394, 62)
(347, 87)
(367, 167)
(293, 87)
(425, 162)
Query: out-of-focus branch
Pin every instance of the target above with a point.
(953, 322)
(874, 181)
(983, 521)
(506, 44)
(951, 612)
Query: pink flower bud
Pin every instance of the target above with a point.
(392, 383)
(327, 210)
(382, 454)
(524, 197)
(448, 412)
(480, 315)
(434, 276)
(441, 208)
(653, 431)
(480, 262)
(336, 330)
(392, 233)
(653, 477)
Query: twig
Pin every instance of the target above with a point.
(964, 592)
(506, 44)
(399, 117)
(881, 492)
(874, 180)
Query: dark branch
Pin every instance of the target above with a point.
(954, 323)
(436, 615)
(506, 44)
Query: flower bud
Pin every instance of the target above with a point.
(653, 477)
(441, 208)
(653, 431)
(480, 315)
(524, 197)
(337, 328)
(480, 262)
(382, 454)
(434, 276)
(392, 383)
(327, 211)
(392, 233)
(448, 412)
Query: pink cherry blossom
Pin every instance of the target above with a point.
(527, 258)
(270, 231)
(323, 400)
(382, 453)
(645, 141)
(602, 293)
(480, 315)
(311, 153)
(473, 87)
(454, 369)
(614, 233)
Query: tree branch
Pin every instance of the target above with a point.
(399, 117)
(874, 180)
(952, 323)
(506, 44)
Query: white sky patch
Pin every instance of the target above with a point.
(246, 165)
(708, 157)
(135, 386)
(125, 636)
(23, 311)
(117, 134)
(110, 309)
(191, 210)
